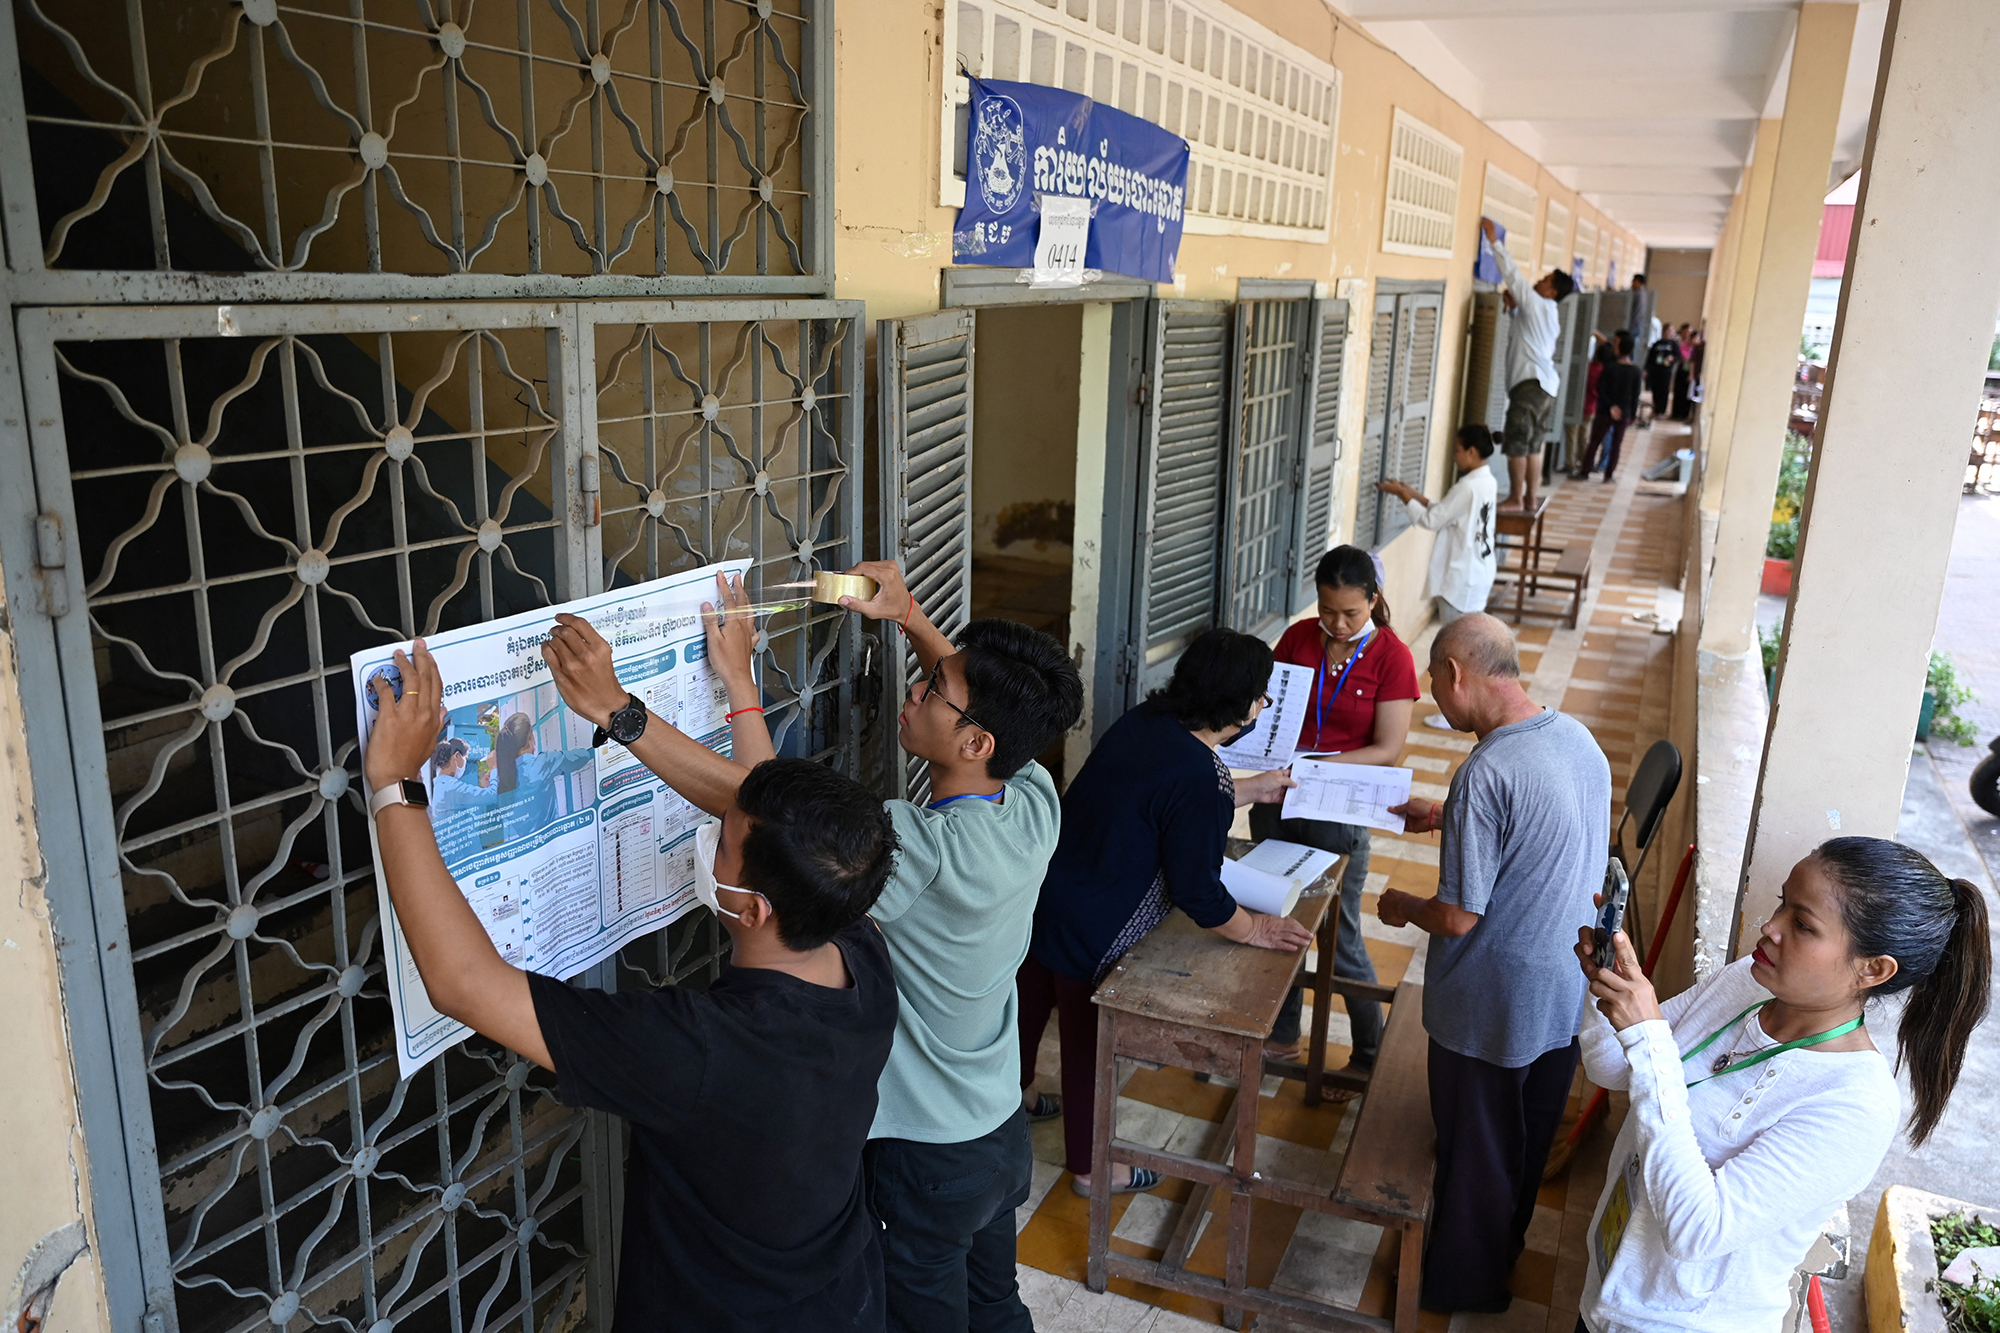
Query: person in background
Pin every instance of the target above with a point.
(1643, 335)
(948, 1158)
(743, 1211)
(1606, 354)
(1364, 686)
(1617, 406)
(1526, 822)
(1143, 829)
(1532, 381)
(526, 781)
(1464, 559)
(1759, 1101)
(1684, 375)
(1663, 363)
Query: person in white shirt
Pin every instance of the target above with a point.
(1532, 382)
(1759, 1102)
(1464, 559)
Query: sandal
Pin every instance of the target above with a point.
(1045, 1107)
(1142, 1181)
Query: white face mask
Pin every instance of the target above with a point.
(706, 839)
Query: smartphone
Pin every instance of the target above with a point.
(1611, 917)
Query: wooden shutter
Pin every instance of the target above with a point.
(1368, 502)
(1182, 485)
(925, 417)
(1321, 431)
(1486, 363)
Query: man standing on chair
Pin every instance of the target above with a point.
(1526, 823)
(1532, 382)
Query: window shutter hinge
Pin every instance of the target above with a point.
(52, 564)
(1145, 394)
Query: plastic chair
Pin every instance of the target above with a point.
(1647, 796)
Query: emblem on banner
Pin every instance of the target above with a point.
(1000, 153)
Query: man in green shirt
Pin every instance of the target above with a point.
(948, 1159)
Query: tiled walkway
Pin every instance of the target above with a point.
(1611, 674)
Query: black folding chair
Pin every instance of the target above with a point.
(1647, 796)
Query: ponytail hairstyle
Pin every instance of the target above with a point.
(1352, 567)
(517, 733)
(1895, 902)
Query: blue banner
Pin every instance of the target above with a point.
(1486, 268)
(1027, 141)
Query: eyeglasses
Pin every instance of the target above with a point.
(931, 688)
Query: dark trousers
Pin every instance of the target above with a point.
(1602, 427)
(1350, 953)
(947, 1214)
(1494, 1128)
(1044, 992)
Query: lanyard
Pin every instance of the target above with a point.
(967, 796)
(1319, 695)
(1762, 1056)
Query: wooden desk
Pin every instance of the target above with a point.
(1185, 997)
(1525, 527)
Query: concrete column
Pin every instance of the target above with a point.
(1777, 313)
(1909, 354)
(1731, 330)
(1093, 408)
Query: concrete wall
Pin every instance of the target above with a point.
(1679, 279)
(1024, 431)
(893, 238)
(42, 1170)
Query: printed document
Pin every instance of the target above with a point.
(566, 853)
(1271, 876)
(1348, 793)
(1274, 737)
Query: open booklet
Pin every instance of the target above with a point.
(1271, 876)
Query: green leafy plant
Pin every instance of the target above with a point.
(1768, 639)
(1942, 681)
(1973, 1309)
(1793, 466)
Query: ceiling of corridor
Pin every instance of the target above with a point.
(1648, 108)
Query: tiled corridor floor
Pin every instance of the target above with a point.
(1611, 673)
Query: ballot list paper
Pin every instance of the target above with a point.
(1348, 793)
(1273, 738)
(1271, 876)
(566, 853)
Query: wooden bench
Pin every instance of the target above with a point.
(1571, 570)
(1386, 1174)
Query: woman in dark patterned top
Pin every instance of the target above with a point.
(1143, 827)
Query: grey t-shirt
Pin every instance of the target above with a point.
(1527, 824)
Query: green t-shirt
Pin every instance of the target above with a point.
(957, 913)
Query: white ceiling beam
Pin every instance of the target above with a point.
(1690, 97)
(1372, 12)
(1691, 150)
(1661, 180)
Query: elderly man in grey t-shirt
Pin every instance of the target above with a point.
(1526, 825)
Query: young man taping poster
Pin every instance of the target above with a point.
(957, 913)
(744, 1210)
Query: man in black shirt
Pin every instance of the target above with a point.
(750, 1102)
(1663, 362)
(1617, 405)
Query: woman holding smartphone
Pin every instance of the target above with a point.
(1364, 686)
(1759, 1100)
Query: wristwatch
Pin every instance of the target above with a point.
(625, 726)
(409, 791)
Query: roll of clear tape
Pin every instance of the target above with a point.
(825, 587)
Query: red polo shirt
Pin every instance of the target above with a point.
(1337, 723)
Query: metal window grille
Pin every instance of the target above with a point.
(1402, 373)
(233, 501)
(225, 153)
(1272, 343)
(1323, 446)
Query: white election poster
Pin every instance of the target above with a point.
(565, 852)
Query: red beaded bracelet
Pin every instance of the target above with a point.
(905, 625)
(731, 717)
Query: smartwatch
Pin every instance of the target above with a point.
(409, 791)
(625, 726)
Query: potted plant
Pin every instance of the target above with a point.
(1781, 548)
(1943, 693)
(1917, 1236)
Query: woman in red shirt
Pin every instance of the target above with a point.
(1364, 685)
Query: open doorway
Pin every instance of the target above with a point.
(1026, 378)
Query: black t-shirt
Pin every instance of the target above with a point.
(1664, 356)
(749, 1105)
(1618, 387)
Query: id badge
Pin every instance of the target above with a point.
(1617, 1214)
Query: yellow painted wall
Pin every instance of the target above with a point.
(893, 238)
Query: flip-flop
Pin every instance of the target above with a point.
(1045, 1107)
(1142, 1181)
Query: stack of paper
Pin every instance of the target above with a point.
(1271, 876)
(1348, 793)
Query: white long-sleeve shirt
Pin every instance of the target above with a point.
(1462, 562)
(1531, 352)
(1728, 1182)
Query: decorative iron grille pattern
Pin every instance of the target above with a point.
(1273, 338)
(249, 510)
(434, 137)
